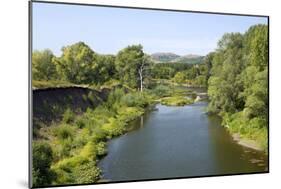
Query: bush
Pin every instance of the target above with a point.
(115, 96)
(64, 169)
(64, 132)
(135, 100)
(62, 148)
(68, 116)
(101, 149)
(42, 159)
(126, 114)
(89, 151)
(113, 128)
(80, 122)
(86, 173)
(162, 91)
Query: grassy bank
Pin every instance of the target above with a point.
(251, 130)
(68, 152)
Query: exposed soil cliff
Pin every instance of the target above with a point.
(50, 104)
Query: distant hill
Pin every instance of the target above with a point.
(174, 58)
(164, 57)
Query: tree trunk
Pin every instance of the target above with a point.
(141, 82)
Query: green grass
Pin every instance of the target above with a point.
(52, 84)
(254, 129)
(176, 101)
(79, 141)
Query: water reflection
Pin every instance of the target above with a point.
(178, 142)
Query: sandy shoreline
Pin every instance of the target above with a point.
(246, 142)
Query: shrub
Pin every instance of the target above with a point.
(64, 169)
(64, 132)
(80, 122)
(86, 173)
(115, 96)
(113, 128)
(162, 91)
(101, 149)
(62, 148)
(89, 151)
(135, 100)
(99, 134)
(68, 116)
(42, 159)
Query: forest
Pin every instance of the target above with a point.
(67, 151)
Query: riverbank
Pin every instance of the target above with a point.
(78, 141)
(247, 142)
(251, 133)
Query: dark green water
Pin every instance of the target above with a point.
(178, 142)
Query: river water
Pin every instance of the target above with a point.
(172, 142)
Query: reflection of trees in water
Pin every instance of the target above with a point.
(141, 122)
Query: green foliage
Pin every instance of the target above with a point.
(115, 96)
(135, 99)
(101, 149)
(253, 129)
(79, 64)
(223, 86)
(64, 131)
(160, 71)
(68, 116)
(176, 101)
(51, 84)
(179, 77)
(43, 67)
(79, 141)
(192, 72)
(200, 80)
(126, 64)
(162, 91)
(42, 159)
(75, 64)
(86, 173)
(132, 65)
(238, 84)
(80, 122)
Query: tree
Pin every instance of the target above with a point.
(179, 77)
(238, 83)
(254, 77)
(104, 68)
(143, 68)
(132, 66)
(224, 85)
(42, 65)
(192, 73)
(77, 64)
(208, 62)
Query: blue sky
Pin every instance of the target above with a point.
(108, 30)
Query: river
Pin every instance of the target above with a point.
(174, 142)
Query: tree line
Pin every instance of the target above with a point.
(79, 64)
(238, 82)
